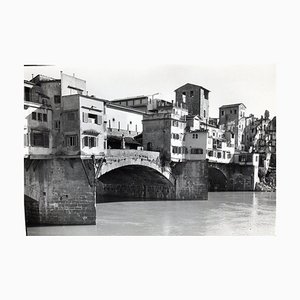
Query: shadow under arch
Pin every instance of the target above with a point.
(133, 183)
(217, 180)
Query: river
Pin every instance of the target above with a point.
(224, 213)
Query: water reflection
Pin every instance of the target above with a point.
(225, 213)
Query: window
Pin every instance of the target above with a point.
(191, 93)
(27, 94)
(183, 97)
(224, 154)
(228, 155)
(45, 117)
(174, 149)
(231, 111)
(235, 111)
(195, 135)
(210, 153)
(175, 123)
(204, 113)
(222, 112)
(89, 141)
(57, 99)
(219, 155)
(71, 140)
(232, 135)
(92, 118)
(40, 139)
(130, 122)
(39, 116)
(175, 136)
(57, 124)
(242, 158)
(33, 116)
(196, 151)
(205, 94)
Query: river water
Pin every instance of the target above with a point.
(224, 213)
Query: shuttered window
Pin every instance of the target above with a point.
(72, 140)
(90, 141)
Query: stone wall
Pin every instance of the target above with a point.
(191, 180)
(60, 190)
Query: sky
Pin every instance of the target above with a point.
(253, 85)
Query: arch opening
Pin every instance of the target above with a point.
(217, 180)
(132, 183)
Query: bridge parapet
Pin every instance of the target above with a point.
(116, 158)
(130, 153)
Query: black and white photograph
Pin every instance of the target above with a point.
(157, 153)
(149, 150)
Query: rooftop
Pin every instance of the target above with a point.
(192, 85)
(126, 108)
(129, 98)
(232, 105)
(43, 78)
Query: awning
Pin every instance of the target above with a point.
(91, 132)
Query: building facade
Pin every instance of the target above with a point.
(232, 118)
(61, 119)
(195, 98)
(164, 130)
(124, 123)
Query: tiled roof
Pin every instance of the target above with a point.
(232, 105)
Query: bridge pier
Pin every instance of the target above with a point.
(191, 180)
(59, 192)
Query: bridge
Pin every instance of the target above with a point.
(64, 190)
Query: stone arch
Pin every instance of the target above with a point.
(217, 179)
(117, 162)
(130, 182)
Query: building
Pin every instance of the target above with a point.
(203, 144)
(82, 126)
(271, 130)
(123, 122)
(232, 118)
(195, 98)
(142, 103)
(38, 140)
(61, 119)
(164, 131)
